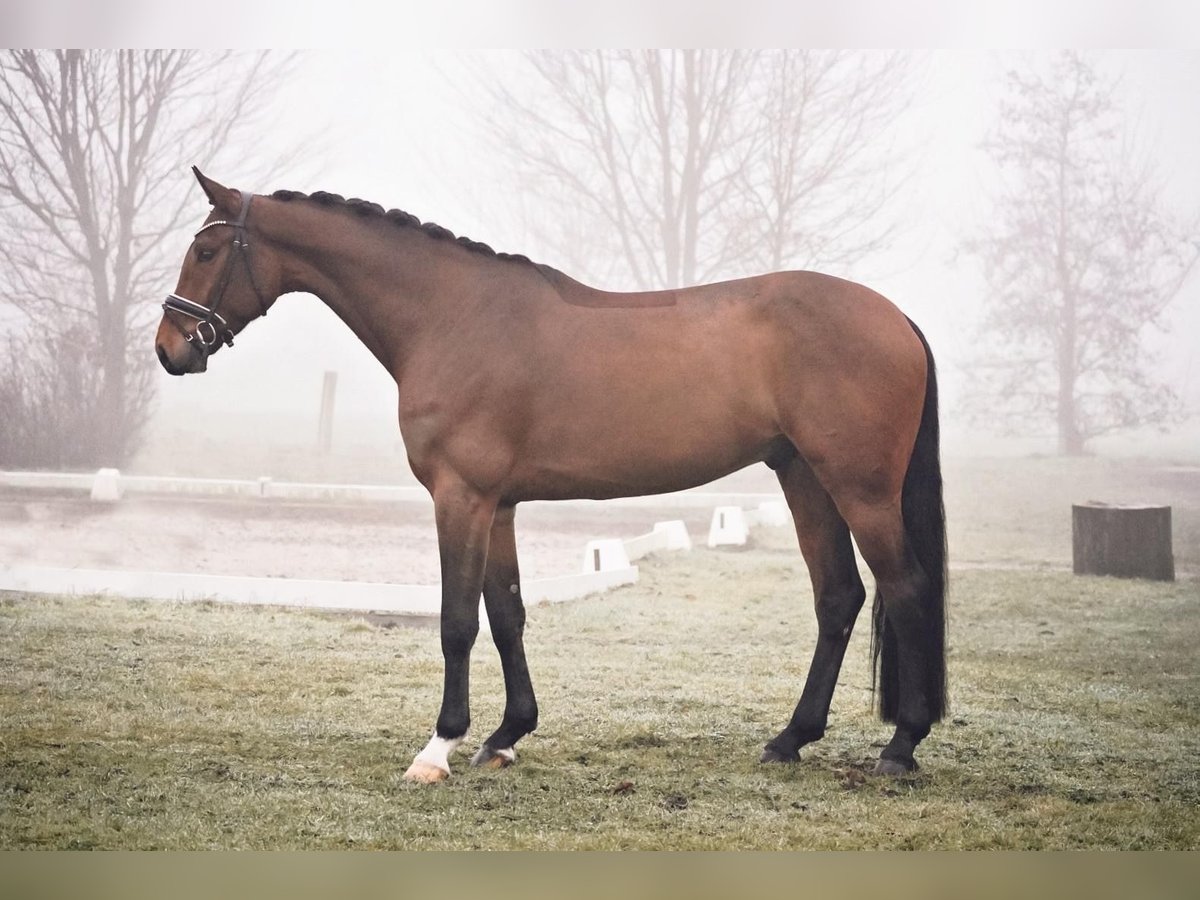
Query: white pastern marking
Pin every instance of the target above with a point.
(437, 752)
(486, 756)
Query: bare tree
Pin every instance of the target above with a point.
(94, 149)
(815, 190)
(1081, 258)
(670, 168)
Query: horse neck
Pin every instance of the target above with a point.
(391, 285)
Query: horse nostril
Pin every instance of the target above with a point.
(166, 361)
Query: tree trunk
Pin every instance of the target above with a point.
(1070, 441)
(1124, 541)
(112, 414)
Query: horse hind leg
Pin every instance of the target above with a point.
(909, 631)
(838, 595)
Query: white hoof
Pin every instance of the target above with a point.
(433, 763)
(423, 773)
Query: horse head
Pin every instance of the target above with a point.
(222, 285)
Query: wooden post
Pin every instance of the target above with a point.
(325, 425)
(1125, 541)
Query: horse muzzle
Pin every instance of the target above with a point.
(190, 361)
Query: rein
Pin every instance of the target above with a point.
(218, 329)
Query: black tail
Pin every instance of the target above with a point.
(925, 528)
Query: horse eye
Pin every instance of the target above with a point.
(204, 255)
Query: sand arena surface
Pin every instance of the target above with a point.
(382, 542)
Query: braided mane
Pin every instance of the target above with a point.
(398, 217)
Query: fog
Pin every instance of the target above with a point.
(407, 130)
(429, 132)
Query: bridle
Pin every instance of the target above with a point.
(207, 316)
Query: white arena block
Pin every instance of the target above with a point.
(675, 534)
(644, 544)
(728, 527)
(106, 485)
(605, 555)
(773, 512)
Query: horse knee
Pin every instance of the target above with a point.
(837, 608)
(508, 627)
(459, 634)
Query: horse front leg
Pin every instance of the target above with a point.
(506, 613)
(464, 521)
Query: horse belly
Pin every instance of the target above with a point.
(646, 432)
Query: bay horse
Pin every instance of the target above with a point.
(516, 382)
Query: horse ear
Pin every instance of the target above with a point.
(219, 196)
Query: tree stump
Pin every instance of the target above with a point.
(1124, 541)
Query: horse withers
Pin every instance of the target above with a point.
(516, 383)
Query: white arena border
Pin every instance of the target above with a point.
(409, 599)
(109, 484)
(606, 562)
(360, 596)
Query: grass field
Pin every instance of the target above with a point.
(1075, 723)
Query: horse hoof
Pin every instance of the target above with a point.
(487, 758)
(424, 773)
(894, 768)
(774, 756)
